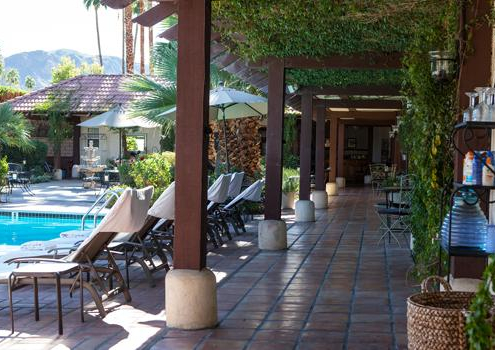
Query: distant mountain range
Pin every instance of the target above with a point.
(39, 64)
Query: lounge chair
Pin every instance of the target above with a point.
(217, 195)
(232, 211)
(127, 215)
(235, 185)
(148, 245)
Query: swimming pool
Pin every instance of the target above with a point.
(18, 228)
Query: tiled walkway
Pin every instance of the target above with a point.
(334, 288)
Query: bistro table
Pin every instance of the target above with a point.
(390, 191)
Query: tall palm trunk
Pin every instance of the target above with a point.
(150, 41)
(98, 36)
(123, 43)
(141, 40)
(129, 50)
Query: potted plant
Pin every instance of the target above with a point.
(290, 185)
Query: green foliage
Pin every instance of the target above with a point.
(2, 65)
(479, 319)
(4, 167)
(34, 157)
(67, 69)
(290, 135)
(56, 110)
(155, 169)
(131, 143)
(425, 132)
(12, 77)
(35, 179)
(345, 77)
(8, 92)
(29, 82)
(290, 180)
(14, 128)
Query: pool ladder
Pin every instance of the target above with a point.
(101, 202)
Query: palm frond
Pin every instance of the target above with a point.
(15, 130)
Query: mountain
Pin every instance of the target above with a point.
(39, 64)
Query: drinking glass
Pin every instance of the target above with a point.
(468, 112)
(491, 103)
(482, 104)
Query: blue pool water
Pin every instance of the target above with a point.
(17, 230)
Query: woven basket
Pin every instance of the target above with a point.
(436, 320)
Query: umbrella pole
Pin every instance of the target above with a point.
(225, 140)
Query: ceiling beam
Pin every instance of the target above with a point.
(370, 61)
(372, 104)
(365, 90)
(388, 115)
(156, 14)
(171, 33)
(117, 4)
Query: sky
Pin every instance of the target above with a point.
(27, 25)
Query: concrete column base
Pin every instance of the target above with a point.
(305, 211)
(340, 182)
(320, 199)
(272, 235)
(332, 189)
(191, 299)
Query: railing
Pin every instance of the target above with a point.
(105, 199)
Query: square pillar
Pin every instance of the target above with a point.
(320, 196)
(190, 288)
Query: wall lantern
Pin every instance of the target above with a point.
(391, 134)
(442, 65)
(395, 129)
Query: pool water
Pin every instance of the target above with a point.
(15, 230)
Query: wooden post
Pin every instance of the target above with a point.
(333, 148)
(305, 147)
(191, 133)
(274, 139)
(320, 148)
(340, 149)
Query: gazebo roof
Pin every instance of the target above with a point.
(88, 94)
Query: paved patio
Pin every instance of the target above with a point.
(65, 196)
(334, 288)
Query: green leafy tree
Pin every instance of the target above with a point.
(131, 143)
(12, 77)
(15, 129)
(2, 65)
(57, 110)
(29, 82)
(67, 69)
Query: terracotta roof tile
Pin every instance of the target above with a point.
(90, 94)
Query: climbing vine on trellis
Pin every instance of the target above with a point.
(425, 132)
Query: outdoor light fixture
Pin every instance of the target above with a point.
(391, 134)
(395, 128)
(442, 65)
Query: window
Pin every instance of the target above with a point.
(94, 135)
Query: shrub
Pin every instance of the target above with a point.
(34, 157)
(4, 169)
(290, 180)
(155, 170)
(40, 178)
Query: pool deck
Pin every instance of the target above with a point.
(65, 196)
(333, 288)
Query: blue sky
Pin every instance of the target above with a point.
(27, 25)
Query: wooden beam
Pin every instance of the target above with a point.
(320, 149)
(305, 147)
(216, 49)
(191, 135)
(171, 33)
(376, 104)
(225, 60)
(274, 139)
(364, 90)
(370, 61)
(368, 115)
(117, 4)
(156, 14)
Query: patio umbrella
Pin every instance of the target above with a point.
(226, 103)
(117, 118)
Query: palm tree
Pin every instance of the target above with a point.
(96, 4)
(161, 93)
(15, 129)
(129, 49)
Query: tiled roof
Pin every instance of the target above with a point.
(89, 94)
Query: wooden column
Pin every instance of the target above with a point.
(274, 139)
(340, 149)
(320, 148)
(191, 133)
(305, 147)
(333, 148)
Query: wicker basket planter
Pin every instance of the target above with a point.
(436, 320)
